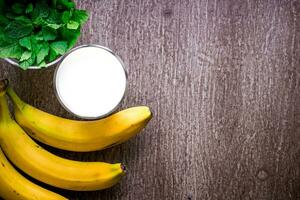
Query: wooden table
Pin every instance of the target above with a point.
(223, 81)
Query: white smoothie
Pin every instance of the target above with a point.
(90, 82)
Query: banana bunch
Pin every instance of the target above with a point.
(79, 136)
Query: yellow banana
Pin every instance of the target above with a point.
(48, 168)
(13, 186)
(79, 136)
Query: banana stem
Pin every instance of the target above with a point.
(3, 86)
(4, 110)
(15, 98)
(124, 168)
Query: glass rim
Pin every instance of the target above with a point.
(57, 92)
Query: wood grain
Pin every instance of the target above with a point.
(223, 80)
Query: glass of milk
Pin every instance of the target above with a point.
(90, 81)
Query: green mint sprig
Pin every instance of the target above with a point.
(38, 32)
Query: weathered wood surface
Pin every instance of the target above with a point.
(223, 81)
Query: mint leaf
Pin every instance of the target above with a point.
(52, 55)
(29, 8)
(54, 17)
(25, 56)
(23, 19)
(54, 20)
(29, 62)
(38, 48)
(73, 25)
(18, 8)
(65, 4)
(35, 44)
(70, 35)
(4, 40)
(38, 22)
(11, 51)
(59, 47)
(54, 26)
(80, 16)
(39, 36)
(25, 42)
(43, 64)
(41, 10)
(17, 29)
(66, 16)
(41, 55)
(49, 33)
